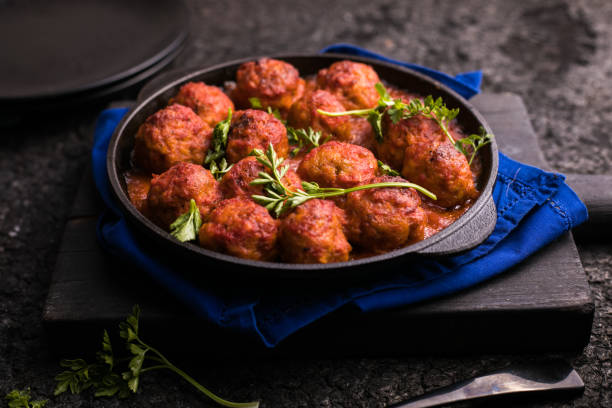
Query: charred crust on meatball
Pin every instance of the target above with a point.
(241, 228)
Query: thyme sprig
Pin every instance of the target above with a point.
(430, 108)
(215, 158)
(303, 138)
(279, 198)
(103, 378)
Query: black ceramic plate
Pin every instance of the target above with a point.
(468, 231)
(61, 47)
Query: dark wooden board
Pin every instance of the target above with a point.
(543, 304)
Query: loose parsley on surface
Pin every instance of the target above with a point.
(431, 108)
(21, 399)
(186, 226)
(279, 198)
(106, 380)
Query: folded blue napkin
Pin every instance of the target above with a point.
(533, 208)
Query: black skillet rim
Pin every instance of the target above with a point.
(193, 249)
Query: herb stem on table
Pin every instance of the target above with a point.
(279, 198)
(103, 378)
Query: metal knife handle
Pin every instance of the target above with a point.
(550, 376)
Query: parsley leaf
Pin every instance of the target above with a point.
(186, 226)
(471, 144)
(219, 141)
(21, 399)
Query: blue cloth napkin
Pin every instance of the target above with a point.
(533, 208)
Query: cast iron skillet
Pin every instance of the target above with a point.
(466, 232)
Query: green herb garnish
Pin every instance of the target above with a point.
(256, 104)
(431, 108)
(21, 399)
(219, 140)
(104, 378)
(279, 198)
(387, 170)
(218, 171)
(301, 138)
(186, 226)
(476, 141)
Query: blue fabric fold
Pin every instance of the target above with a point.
(533, 208)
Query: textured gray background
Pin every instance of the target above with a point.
(556, 54)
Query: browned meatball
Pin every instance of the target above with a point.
(236, 182)
(348, 129)
(208, 102)
(336, 164)
(171, 135)
(352, 82)
(442, 169)
(277, 84)
(314, 233)
(381, 219)
(172, 190)
(397, 136)
(241, 228)
(254, 129)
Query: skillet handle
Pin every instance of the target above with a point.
(470, 235)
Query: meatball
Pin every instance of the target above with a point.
(314, 233)
(442, 169)
(348, 129)
(352, 82)
(236, 182)
(336, 164)
(254, 129)
(171, 135)
(397, 136)
(275, 83)
(208, 102)
(241, 228)
(172, 191)
(381, 219)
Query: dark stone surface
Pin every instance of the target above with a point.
(556, 54)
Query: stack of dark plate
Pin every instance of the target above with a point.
(65, 52)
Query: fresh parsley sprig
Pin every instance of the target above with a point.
(103, 378)
(303, 138)
(186, 226)
(475, 141)
(21, 399)
(431, 108)
(279, 198)
(215, 158)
